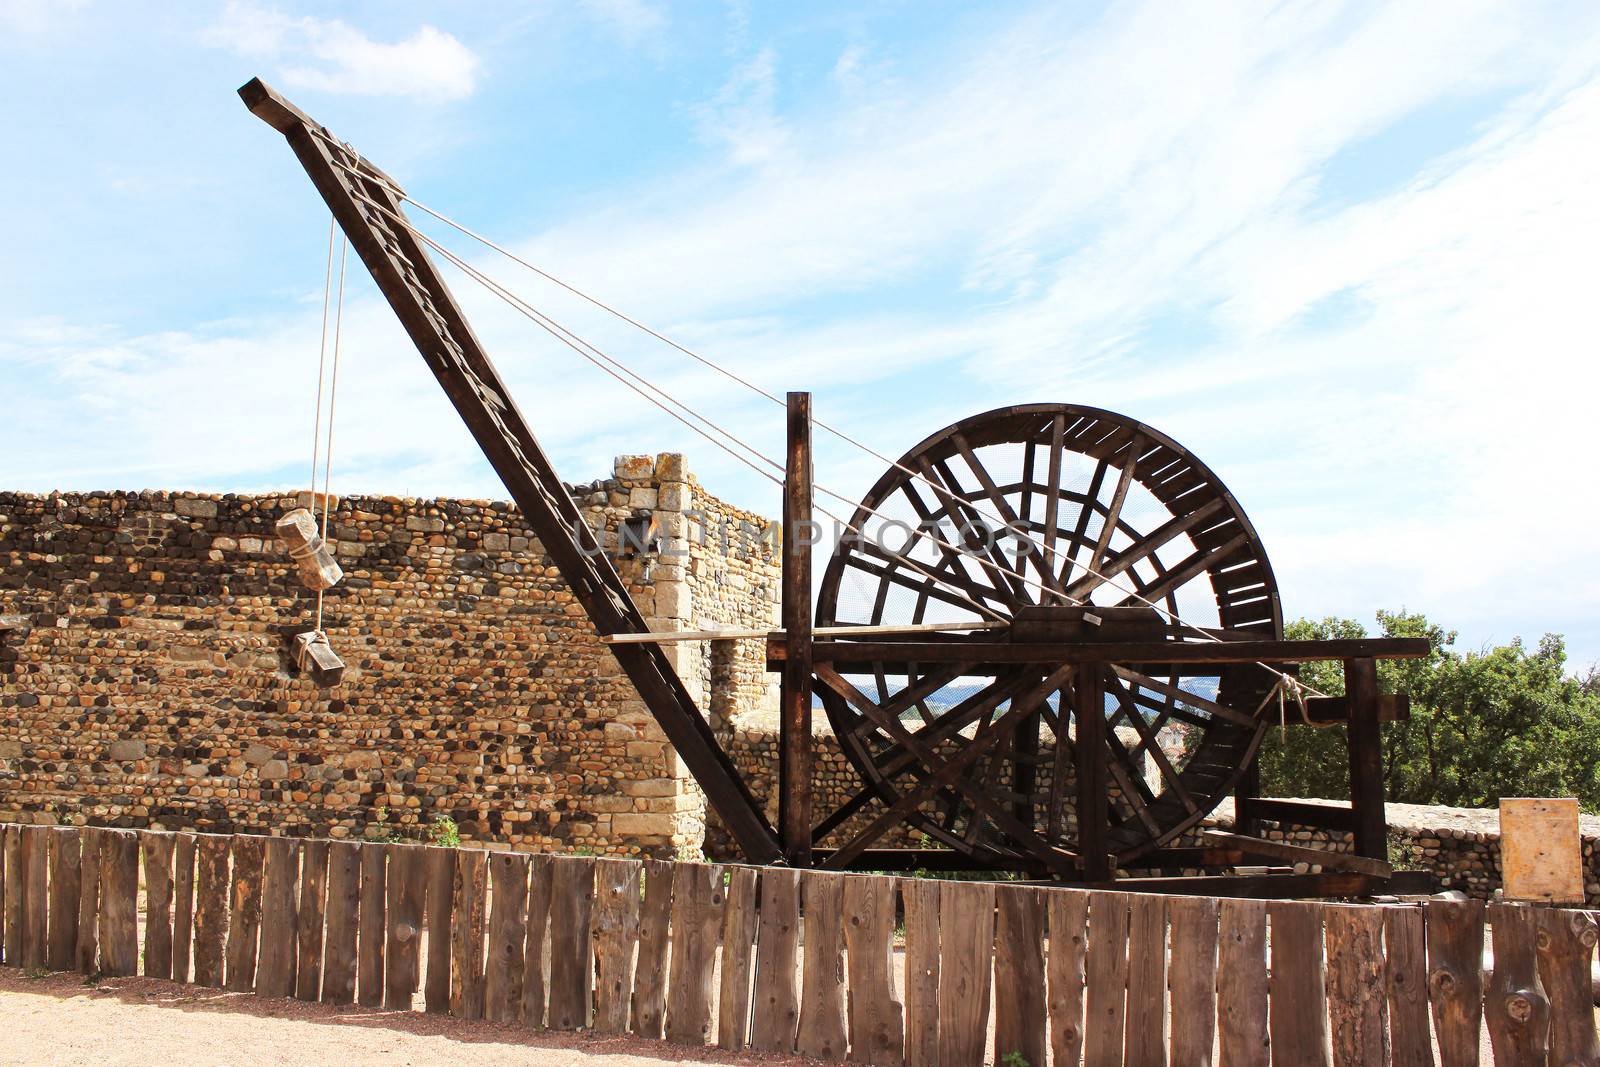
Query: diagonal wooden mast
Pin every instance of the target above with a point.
(412, 285)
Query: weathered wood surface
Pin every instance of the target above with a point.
(1357, 1001)
(440, 867)
(1192, 980)
(536, 955)
(1406, 984)
(16, 876)
(1020, 1025)
(86, 955)
(370, 932)
(311, 920)
(344, 910)
(1242, 1032)
(1146, 1040)
(66, 859)
(157, 848)
(1515, 1005)
(697, 901)
(212, 878)
(876, 1017)
(616, 938)
(119, 902)
(1455, 977)
(1106, 966)
(571, 951)
(507, 931)
(650, 974)
(966, 955)
(244, 912)
(1565, 954)
(275, 970)
(821, 1032)
(466, 933)
(403, 927)
(1067, 911)
(1541, 850)
(1296, 995)
(36, 912)
(776, 996)
(738, 959)
(183, 847)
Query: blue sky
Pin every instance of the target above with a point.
(1345, 253)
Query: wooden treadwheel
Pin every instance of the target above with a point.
(1091, 507)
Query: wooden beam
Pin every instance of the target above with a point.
(744, 634)
(853, 656)
(1366, 758)
(1281, 850)
(1300, 813)
(1090, 756)
(794, 700)
(1323, 711)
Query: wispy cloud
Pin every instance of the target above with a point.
(633, 20)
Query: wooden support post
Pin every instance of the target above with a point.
(794, 749)
(1366, 758)
(1090, 754)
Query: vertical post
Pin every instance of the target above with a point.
(794, 750)
(1090, 754)
(1366, 758)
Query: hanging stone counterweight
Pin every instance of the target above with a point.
(315, 656)
(318, 569)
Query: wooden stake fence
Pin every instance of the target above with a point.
(995, 973)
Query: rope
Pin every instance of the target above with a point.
(322, 355)
(333, 397)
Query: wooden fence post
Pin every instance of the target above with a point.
(821, 1033)
(1455, 977)
(466, 933)
(536, 960)
(86, 954)
(344, 909)
(244, 912)
(507, 933)
(1242, 983)
(1146, 1043)
(441, 870)
(1106, 966)
(1067, 911)
(1517, 1010)
(1019, 993)
(571, 952)
(1406, 969)
(1566, 943)
(16, 877)
(777, 1000)
(370, 932)
(650, 975)
(403, 926)
(697, 900)
(920, 898)
(66, 871)
(157, 848)
(275, 973)
(1193, 979)
(1357, 1005)
(1296, 994)
(211, 909)
(966, 956)
(182, 904)
(36, 914)
(119, 901)
(876, 1018)
(616, 935)
(309, 919)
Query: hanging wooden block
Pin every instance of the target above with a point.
(318, 569)
(315, 656)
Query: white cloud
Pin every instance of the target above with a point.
(633, 20)
(430, 64)
(743, 117)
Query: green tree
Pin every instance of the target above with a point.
(1505, 721)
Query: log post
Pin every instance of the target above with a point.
(794, 749)
(1366, 759)
(1090, 753)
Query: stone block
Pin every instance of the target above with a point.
(674, 600)
(496, 542)
(642, 499)
(256, 755)
(633, 468)
(670, 467)
(673, 496)
(125, 750)
(643, 824)
(195, 508)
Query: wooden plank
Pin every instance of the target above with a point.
(66, 859)
(874, 1012)
(616, 938)
(1296, 995)
(650, 975)
(16, 877)
(1515, 1006)
(1333, 861)
(507, 932)
(4, 955)
(86, 954)
(1193, 980)
(1106, 967)
(1365, 746)
(966, 955)
(1301, 813)
(344, 909)
(1357, 1005)
(403, 927)
(821, 1033)
(794, 695)
(212, 878)
(536, 958)
(466, 933)
(183, 848)
(370, 932)
(1020, 1027)
(1145, 1044)
(310, 919)
(738, 959)
(36, 913)
(279, 927)
(440, 864)
(1242, 1035)
(777, 999)
(1068, 914)
(1565, 953)
(244, 912)
(571, 951)
(1541, 850)
(1406, 983)
(850, 657)
(157, 848)
(119, 902)
(1090, 757)
(1455, 977)
(920, 900)
(697, 900)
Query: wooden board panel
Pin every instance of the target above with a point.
(244, 912)
(4, 956)
(157, 848)
(697, 900)
(1106, 967)
(876, 1018)
(1455, 977)
(1146, 1040)
(507, 931)
(966, 956)
(36, 912)
(310, 919)
(1242, 1034)
(821, 1032)
(344, 911)
(86, 956)
(1193, 980)
(66, 859)
(650, 974)
(1020, 1025)
(1406, 985)
(279, 927)
(1565, 954)
(182, 904)
(536, 955)
(16, 876)
(1358, 1012)
(1515, 1006)
(571, 952)
(1541, 850)
(466, 933)
(776, 996)
(370, 932)
(616, 938)
(440, 867)
(1296, 994)
(119, 903)
(403, 927)
(1067, 911)
(212, 879)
